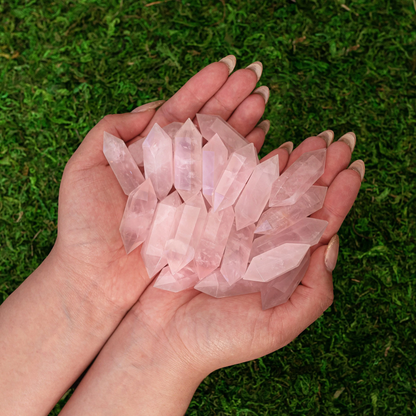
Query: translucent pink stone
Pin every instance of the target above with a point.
(298, 178)
(279, 291)
(188, 161)
(188, 225)
(136, 150)
(172, 128)
(256, 193)
(307, 231)
(122, 163)
(215, 285)
(277, 219)
(214, 160)
(158, 160)
(237, 251)
(182, 280)
(138, 215)
(273, 263)
(211, 125)
(160, 231)
(239, 168)
(213, 240)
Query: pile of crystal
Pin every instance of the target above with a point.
(205, 214)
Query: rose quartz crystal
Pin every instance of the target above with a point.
(136, 150)
(184, 279)
(239, 168)
(122, 163)
(160, 231)
(138, 215)
(273, 263)
(256, 193)
(237, 251)
(188, 225)
(158, 160)
(214, 160)
(298, 178)
(211, 125)
(211, 246)
(188, 161)
(172, 128)
(275, 220)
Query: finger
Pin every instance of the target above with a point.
(308, 145)
(339, 199)
(258, 134)
(238, 87)
(250, 111)
(283, 152)
(192, 96)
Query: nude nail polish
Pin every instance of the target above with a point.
(265, 126)
(331, 254)
(230, 61)
(358, 166)
(257, 68)
(149, 106)
(349, 139)
(264, 92)
(287, 146)
(328, 136)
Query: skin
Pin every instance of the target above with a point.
(63, 314)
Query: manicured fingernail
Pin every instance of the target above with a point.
(288, 146)
(358, 166)
(265, 126)
(264, 92)
(328, 136)
(331, 254)
(257, 68)
(230, 61)
(349, 139)
(148, 106)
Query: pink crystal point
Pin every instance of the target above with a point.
(214, 160)
(136, 150)
(256, 193)
(237, 251)
(184, 279)
(273, 263)
(158, 160)
(307, 231)
(213, 241)
(122, 163)
(138, 215)
(275, 220)
(172, 128)
(188, 160)
(215, 285)
(298, 178)
(190, 219)
(160, 231)
(279, 291)
(211, 125)
(239, 168)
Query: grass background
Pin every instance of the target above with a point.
(65, 64)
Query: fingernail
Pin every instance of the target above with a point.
(349, 139)
(358, 166)
(328, 136)
(230, 61)
(288, 146)
(265, 126)
(264, 92)
(148, 106)
(257, 68)
(331, 253)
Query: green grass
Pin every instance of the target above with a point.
(65, 64)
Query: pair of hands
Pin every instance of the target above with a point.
(184, 335)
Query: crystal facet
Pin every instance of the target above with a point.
(188, 225)
(214, 160)
(138, 215)
(239, 168)
(298, 178)
(277, 219)
(237, 251)
(122, 163)
(273, 263)
(182, 280)
(188, 160)
(136, 150)
(158, 163)
(256, 193)
(213, 240)
(160, 231)
(172, 128)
